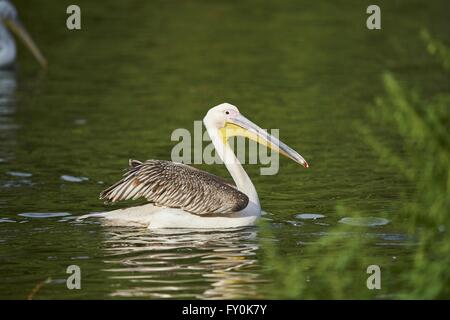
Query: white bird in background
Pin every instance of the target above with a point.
(9, 19)
(181, 196)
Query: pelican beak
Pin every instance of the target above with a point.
(238, 125)
(18, 28)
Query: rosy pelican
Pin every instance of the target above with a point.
(9, 18)
(181, 196)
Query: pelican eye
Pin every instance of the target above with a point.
(227, 112)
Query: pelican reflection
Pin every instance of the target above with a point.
(182, 263)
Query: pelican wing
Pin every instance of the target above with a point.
(176, 185)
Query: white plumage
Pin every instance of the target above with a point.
(9, 19)
(184, 197)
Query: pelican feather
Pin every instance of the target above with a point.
(176, 185)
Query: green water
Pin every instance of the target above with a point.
(140, 69)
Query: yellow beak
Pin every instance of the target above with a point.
(241, 126)
(23, 34)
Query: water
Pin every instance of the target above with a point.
(364, 222)
(135, 72)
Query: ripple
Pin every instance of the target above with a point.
(17, 183)
(44, 214)
(393, 237)
(80, 121)
(19, 174)
(80, 258)
(2, 220)
(295, 223)
(364, 221)
(73, 179)
(309, 216)
(205, 265)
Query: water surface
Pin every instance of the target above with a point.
(138, 70)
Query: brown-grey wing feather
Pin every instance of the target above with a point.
(176, 185)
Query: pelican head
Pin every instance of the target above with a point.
(227, 119)
(9, 18)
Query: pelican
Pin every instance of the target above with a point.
(9, 18)
(181, 196)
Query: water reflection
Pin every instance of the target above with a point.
(8, 127)
(182, 263)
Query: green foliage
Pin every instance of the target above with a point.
(330, 268)
(422, 126)
(437, 49)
